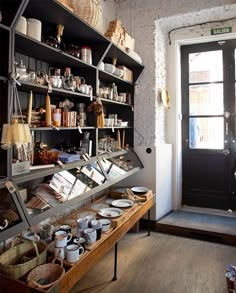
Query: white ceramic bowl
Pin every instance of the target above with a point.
(106, 224)
(110, 68)
(119, 72)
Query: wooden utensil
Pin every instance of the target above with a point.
(30, 108)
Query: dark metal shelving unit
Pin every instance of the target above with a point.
(76, 31)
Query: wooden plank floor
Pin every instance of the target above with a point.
(161, 264)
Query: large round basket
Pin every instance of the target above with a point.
(46, 275)
(10, 261)
(89, 10)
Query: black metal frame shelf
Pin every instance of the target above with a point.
(115, 102)
(78, 32)
(39, 50)
(54, 128)
(4, 27)
(109, 77)
(42, 89)
(115, 127)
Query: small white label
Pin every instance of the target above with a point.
(60, 163)
(80, 130)
(9, 185)
(113, 130)
(84, 157)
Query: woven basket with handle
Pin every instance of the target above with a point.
(89, 10)
(10, 260)
(46, 275)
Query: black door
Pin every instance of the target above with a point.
(208, 124)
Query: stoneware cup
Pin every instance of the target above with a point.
(66, 228)
(62, 238)
(98, 226)
(59, 252)
(82, 223)
(90, 236)
(73, 252)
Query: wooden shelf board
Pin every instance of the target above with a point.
(28, 86)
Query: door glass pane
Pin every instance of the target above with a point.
(206, 133)
(206, 66)
(206, 99)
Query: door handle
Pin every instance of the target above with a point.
(226, 152)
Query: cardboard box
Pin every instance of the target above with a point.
(129, 41)
(128, 74)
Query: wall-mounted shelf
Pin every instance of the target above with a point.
(36, 54)
(41, 89)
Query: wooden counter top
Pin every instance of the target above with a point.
(74, 273)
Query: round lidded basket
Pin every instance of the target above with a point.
(89, 10)
(46, 275)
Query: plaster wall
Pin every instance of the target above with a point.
(150, 22)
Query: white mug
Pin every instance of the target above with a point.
(61, 238)
(73, 252)
(59, 252)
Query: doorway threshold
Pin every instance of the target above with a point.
(208, 211)
(209, 225)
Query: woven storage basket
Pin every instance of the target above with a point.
(49, 273)
(89, 10)
(9, 260)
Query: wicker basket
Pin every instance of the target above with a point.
(89, 10)
(46, 275)
(9, 260)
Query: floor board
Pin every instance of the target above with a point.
(161, 264)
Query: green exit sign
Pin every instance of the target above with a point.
(221, 30)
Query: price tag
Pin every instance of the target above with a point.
(60, 163)
(9, 185)
(91, 95)
(80, 130)
(84, 157)
(113, 130)
(87, 156)
(54, 127)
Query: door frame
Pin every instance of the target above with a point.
(174, 117)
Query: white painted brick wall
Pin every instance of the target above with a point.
(151, 120)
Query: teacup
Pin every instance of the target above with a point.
(62, 238)
(90, 236)
(73, 252)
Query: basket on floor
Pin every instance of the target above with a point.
(89, 10)
(47, 275)
(10, 260)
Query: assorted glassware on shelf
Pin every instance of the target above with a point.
(54, 79)
(108, 144)
(110, 92)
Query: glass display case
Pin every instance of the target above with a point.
(12, 219)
